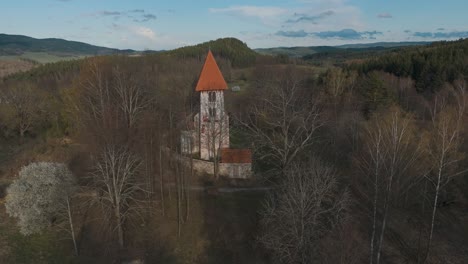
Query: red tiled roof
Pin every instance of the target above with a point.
(236, 155)
(211, 78)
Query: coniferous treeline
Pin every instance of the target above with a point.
(429, 66)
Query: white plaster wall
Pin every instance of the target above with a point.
(213, 131)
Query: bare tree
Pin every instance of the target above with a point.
(69, 214)
(95, 96)
(185, 182)
(284, 119)
(338, 87)
(161, 172)
(372, 164)
(304, 207)
(23, 107)
(447, 126)
(337, 82)
(391, 152)
(161, 181)
(132, 98)
(110, 101)
(114, 175)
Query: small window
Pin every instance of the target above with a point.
(212, 112)
(212, 97)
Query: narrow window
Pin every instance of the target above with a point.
(212, 97)
(212, 112)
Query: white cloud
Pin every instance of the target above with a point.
(384, 15)
(262, 12)
(344, 16)
(145, 32)
(140, 38)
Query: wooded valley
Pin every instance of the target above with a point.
(358, 157)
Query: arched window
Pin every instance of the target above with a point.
(211, 96)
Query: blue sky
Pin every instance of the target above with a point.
(162, 24)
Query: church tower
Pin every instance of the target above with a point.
(212, 120)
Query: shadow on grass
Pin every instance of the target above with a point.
(39, 248)
(231, 227)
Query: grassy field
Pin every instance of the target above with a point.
(41, 57)
(28, 60)
(8, 67)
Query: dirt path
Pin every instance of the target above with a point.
(222, 189)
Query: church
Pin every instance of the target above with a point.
(209, 138)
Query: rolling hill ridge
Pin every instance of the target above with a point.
(18, 44)
(298, 52)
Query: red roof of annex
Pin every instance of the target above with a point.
(211, 78)
(236, 155)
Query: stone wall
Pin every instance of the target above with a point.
(230, 170)
(236, 170)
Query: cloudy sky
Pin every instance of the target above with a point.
(163, 24)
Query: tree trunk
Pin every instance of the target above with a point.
(375, 202)
(177, 179)
(171, 147)
(147, 169)
(118, 219)
(187, 202)
(183, 190)
(215, 168)
(161, 182)
(423, 210)
(434, 210)
(387, 203)
(382, 233)
(376, 190)
(72, 230)
(22, 131)
(385, 216)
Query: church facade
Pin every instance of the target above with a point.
(210, 135)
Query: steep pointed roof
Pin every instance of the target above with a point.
(211, 78)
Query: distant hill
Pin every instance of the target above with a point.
(385, 44)
(297, 52)
(49, 49)
(233, 49)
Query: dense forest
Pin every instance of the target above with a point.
(360, 160)
(232, 49)
(430, 67)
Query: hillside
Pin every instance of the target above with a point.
(233, 50)
(429, 66)
(297, 52)
(13, 47)
(384, 44)
(17, 44)
(229, 48)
